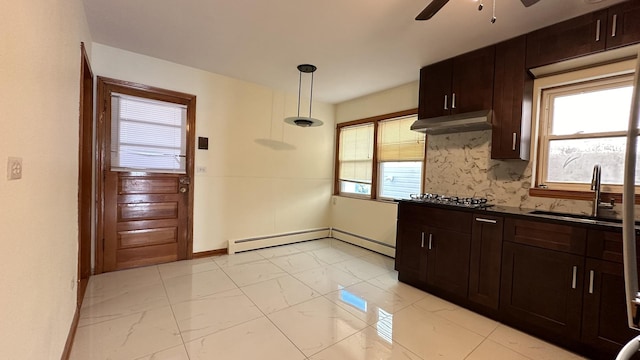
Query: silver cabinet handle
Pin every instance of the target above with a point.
(453, 101)
(430, 241)
(490, 221)
(598, 30)
(422, 245)
(591, 273)
(513, 142)
(615, 25)
(575, 274)
(446, 102)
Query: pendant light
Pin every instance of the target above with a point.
(301, 120)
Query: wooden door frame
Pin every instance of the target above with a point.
(85, 174)
(104, 88)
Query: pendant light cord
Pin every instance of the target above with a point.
(299, 92)
(311, 95)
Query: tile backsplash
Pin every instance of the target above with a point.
(460, 164)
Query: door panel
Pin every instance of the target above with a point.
(146, 215)
(150, 220)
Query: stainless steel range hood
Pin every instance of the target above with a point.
(472, 121)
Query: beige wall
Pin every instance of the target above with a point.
(39, 98)
(249, 189)
(374, 220)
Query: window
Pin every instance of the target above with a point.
(400, 158)
(584, 124)
(356, 159)
(380, 157)
(147, 135)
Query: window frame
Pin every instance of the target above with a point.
(602, 73)
(375, 170)
(546, 123)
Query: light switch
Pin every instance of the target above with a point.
(201, 169)
(14, 168)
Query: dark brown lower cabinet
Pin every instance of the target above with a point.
(485, 260)
(604, 315)
(411, 255)
(448, 260)
(560, 281)
(542, 290)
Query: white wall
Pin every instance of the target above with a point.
(249, 189)
(39, 98)
(374, 220)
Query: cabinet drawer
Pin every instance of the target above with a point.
(544, 235)
(459, 221)
(607, 245)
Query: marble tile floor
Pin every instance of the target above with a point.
(316, 300)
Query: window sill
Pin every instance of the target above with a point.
(386, 201)
(578, 195)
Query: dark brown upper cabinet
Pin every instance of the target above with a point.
(569, 39)
(512, 102)
(623, 24)
(611, 28)
(459, 85)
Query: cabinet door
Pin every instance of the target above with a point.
(512, 101)
(435, 90)
(542, 290)
(569, 39)
(485, 261)
(472, 82)
(411, 259)
(448, 260)
(624, 24)
(604, 324)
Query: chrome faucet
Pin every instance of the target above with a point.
(595, 186)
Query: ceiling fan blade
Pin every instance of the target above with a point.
(431, 9)
(528, 3)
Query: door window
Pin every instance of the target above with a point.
(147, 135)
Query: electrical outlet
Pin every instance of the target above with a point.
(14, 168)
(201, 169)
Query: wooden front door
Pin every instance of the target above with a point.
(146, 180)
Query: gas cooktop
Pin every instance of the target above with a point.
(468, 202)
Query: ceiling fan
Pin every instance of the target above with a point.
(436, 5)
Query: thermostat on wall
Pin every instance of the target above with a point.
(203, 143)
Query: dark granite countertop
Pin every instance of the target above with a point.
(560, 218)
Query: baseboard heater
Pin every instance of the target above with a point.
(365, 242)
(278, 239)
(261, 242)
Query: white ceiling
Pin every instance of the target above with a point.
(359, 46)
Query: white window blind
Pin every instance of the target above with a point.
(147, 135)
(400, 158)
(356, 153)
(397, 142)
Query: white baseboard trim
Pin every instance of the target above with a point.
(239, 245)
